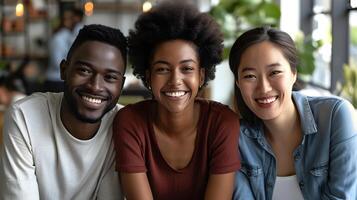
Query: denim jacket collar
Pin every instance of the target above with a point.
(308, 124)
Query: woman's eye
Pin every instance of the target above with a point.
(248, 76)
(276, 72)
(161, 70)
(188, 69)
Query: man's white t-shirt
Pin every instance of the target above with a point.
(40, 159)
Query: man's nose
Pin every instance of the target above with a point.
(96, 83)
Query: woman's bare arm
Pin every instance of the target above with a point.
(220, 186)
(135, 186)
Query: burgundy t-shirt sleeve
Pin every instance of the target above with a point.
(224, 141)
(129, 140)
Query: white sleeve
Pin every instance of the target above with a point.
(109, 187)
(17, 168)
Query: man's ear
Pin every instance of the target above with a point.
(63, 68)
(202, 76)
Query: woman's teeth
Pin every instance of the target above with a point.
(267, 100)
(175, 94)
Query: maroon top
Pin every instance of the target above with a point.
(216, 149)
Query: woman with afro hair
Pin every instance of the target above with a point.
(176, 146)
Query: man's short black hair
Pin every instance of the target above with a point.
(101, 33)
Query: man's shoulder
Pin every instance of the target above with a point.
(33, 115)
(110, 115)
(37, 102)
(114, 110)
(118, 107)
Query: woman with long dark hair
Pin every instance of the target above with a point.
(291, 146)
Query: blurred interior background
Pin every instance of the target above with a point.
(325, 32)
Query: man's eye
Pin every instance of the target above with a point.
(111, 78)
(84, 71)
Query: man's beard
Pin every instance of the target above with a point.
(72, 106)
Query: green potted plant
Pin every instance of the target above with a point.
(349, 87)
(237, 16)
(306, 48)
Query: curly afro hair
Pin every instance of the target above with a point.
(170, 21)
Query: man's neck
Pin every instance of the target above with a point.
(77, 128)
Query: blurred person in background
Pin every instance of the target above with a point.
(11, 90)
(64, 35)
(77, 21)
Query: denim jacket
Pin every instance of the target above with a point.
(325, 161)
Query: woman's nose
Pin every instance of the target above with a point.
(176, 77)
(264, 85)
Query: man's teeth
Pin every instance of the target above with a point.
(267, 100)
(175, 94)
(92, 100)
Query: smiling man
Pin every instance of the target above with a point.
(59, 145)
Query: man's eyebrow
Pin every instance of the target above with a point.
(107, 70)
(115, 71)
(83, 63)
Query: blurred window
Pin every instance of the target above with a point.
(322, 32)
(334, 23)
(353, 37)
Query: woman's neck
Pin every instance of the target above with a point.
(283, 126)
(284, 136)
(177, 124)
